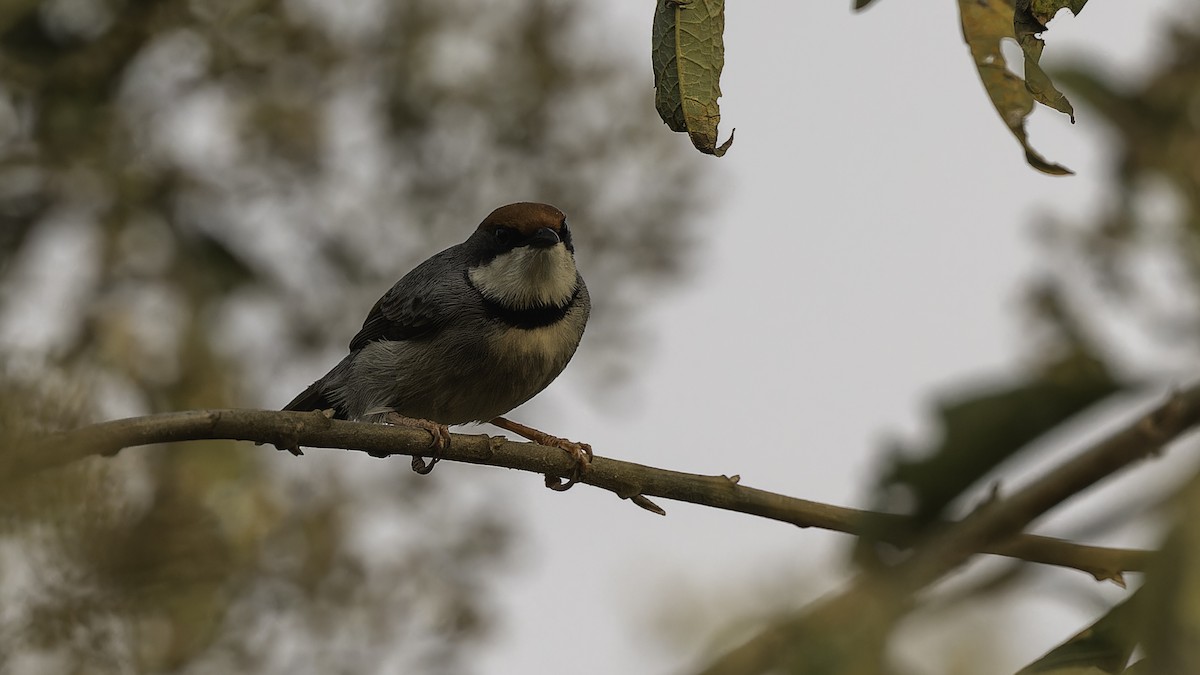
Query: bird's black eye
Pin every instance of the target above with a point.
(504, 235)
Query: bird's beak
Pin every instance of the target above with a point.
(544, 238)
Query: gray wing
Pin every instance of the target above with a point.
(417, 307)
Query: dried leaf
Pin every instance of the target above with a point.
(1029, 20)
(985, 24)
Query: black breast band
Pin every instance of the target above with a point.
(529, 317)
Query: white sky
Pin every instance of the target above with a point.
(874, 225)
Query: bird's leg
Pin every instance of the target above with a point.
(580, 452)
(439, 432)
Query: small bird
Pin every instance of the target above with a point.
(468, 335)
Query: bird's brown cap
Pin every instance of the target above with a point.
(525, 217)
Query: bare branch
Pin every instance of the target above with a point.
(287, 430)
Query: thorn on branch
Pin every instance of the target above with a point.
(992, 496)
(1116, 577)
(1154, 426)
(645, 503)
(286, 430)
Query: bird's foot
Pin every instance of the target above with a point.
(580, 452)
(440, 438)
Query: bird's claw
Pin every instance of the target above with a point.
(580, 452)
(440, 439)
(420, 467)
(440, 434)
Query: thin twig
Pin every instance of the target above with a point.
(1004, 517)
(627, 480)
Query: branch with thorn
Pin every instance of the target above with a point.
(635, 482)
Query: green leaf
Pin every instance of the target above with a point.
(1103, 647)
(985, 25)
(1029, 20)
(688, 53)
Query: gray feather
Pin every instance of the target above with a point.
(434, 348)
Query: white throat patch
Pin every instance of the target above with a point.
(527, 277)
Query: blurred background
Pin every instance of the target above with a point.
(200, 200)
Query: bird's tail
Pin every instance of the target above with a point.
(324, 393)
(317, 396)
(311, 399)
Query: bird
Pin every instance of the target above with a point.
(467, 335)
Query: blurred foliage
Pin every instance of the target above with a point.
(1137, 266)
(1169, 620)
(993, 420)
(987, 426)
(1125, 254)
(200, 197)
(1119, 306)
(844, 635)
(707, 616)
(1163, 616)
(1133, 275)
(1103, 647)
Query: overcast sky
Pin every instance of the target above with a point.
(874, 223)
